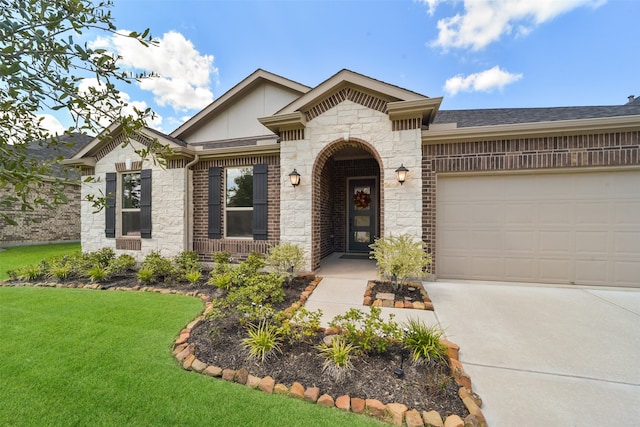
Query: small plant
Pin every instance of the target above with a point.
(194, 276)
(337, 358)
(121, 264)
(61, 272)
(424, 341)
(263, 341)
(31, 273)
(161, 267)
(97, 273)
(221, 261)
(286, 259)
(186, 262)
(400, 257)
(368, 331)
(300, 324)
(145, 275)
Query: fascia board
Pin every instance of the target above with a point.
(229, 152)
(409, 109)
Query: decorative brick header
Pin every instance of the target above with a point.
(351, 94)
(292, 134)
(122, 167)
(128, 244)
(407, 124)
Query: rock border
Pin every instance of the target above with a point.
(425, 304)
(393, 413)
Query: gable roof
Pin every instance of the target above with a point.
(347, 77)
(257, 77)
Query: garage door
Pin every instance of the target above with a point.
(570, 228)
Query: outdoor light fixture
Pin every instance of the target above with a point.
(127, 164)
(294, 177)
(401, 174)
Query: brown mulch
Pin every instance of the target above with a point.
(219, 343)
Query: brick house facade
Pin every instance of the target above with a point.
(495, 194)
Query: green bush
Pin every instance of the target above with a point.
(300, 325)
(400, 257)
(221, 261)
(263, 341)
(368, 331)
(286, 259)
(97, 273)
(186, 262)
(161, 267)
(145, 275)
(424, 341)
(193, 277)
(121, 264)
(337, 358)
(258, 289)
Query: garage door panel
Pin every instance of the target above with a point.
(581, 228)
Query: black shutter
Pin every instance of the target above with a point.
(260, 201)
(215, 183)
(110, 204)
(145, 203)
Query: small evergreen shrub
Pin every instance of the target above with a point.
(97, 273)
(145, 275)
(161, 267)
(286, 259)
(400, 257)
(186, 262)
(368, 331)
(193, 277)
(300, 325)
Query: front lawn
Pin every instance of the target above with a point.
(81, 357)
(17, 256)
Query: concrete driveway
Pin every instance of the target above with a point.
(546, 356)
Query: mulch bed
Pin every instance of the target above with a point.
(219, 343)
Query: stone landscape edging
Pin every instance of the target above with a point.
(426, 303)
(395, 413)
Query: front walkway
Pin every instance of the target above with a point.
(537, 355)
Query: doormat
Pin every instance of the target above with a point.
(354, 256)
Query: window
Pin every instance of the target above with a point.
(239, 202)
(131, 196)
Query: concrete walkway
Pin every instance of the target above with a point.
(537, 355)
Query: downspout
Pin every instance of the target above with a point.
(188, 210)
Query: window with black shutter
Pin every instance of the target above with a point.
(110, 204)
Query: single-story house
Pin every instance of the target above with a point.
(41, 224)
(518, 194)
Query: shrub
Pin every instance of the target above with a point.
(97, 273)
(31, 273)
(252, 265)
(258, 289)
(186, 262)
(286, 259)
(424, 341)
(299, 325)
(221, 261)
(368, 331)
(400, 257)
(61, 272)
(263, 341)
(161, 267)
(121, 264)
(337, 358)
(145, 275)
(193, 277)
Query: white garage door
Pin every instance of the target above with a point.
(572, 228)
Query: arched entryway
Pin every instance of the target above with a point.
(347, 199)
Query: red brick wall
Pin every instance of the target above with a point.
(551, 152)
(239, 248)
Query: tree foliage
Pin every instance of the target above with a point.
(44, 59)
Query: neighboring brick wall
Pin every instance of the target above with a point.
(59, 224)
(239, 248)
(551, 152)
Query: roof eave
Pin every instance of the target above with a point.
(524, 130)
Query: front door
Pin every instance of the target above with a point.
(362, 202)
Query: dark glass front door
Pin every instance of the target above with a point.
(363, 211)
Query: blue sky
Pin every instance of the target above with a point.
(474, 53)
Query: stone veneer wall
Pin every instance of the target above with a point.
(61, 223)
(350, 121)
(168, 194)
(239, 248)
(517, 154)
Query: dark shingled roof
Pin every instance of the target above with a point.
(506, 116)
(67, 146)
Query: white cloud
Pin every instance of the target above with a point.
(485, 81)
(51, 124)
(485, 21)
(128, 109)
(433, 4)
(183, 74)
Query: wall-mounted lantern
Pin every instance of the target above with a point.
(294, 177)
(401, 174)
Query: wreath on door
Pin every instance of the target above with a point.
(361, 200)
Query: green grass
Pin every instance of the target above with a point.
(81, 357)
(17, 256)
